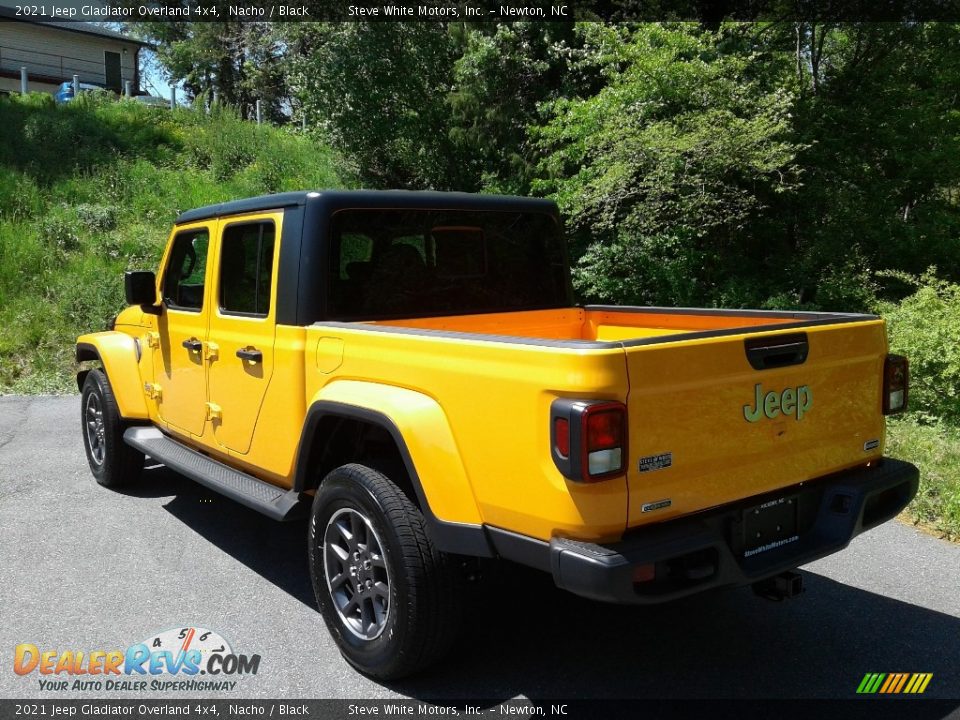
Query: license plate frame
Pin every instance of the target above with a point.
(769, 525)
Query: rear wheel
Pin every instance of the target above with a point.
(112, 462)
(390, 599)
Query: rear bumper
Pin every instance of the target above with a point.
(706, 551)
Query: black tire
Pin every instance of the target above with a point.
(422, 617)
(112, 462)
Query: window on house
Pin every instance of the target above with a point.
(111, 70)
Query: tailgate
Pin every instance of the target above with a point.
(707, 427)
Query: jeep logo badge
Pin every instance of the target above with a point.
(792, 401)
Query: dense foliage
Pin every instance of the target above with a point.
(925, 327)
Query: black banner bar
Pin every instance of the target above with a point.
(709, 11)
(638, 709)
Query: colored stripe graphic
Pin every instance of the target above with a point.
(894, 683)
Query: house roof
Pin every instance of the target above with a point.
(82, 28)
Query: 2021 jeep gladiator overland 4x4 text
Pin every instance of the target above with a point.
(409, 370)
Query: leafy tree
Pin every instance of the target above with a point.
(378, 92)
(241, 62)
(432, 105)
(663, 171)
(878, 118)
(503, 74)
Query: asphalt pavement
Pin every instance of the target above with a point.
(86, 568)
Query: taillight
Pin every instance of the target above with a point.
(604, 438)
(588, 438)
(896, 384)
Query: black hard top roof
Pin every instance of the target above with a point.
(339, 199)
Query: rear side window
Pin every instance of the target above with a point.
(422, 262)
(246, 268)
(184, 278)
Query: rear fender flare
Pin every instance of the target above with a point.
(424, 439)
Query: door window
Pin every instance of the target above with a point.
(184, 278)
(246, 268)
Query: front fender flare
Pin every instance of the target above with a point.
(120, 359)
(423, 436)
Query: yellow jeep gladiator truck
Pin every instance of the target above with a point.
(409, 370)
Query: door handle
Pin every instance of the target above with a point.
(251, 354)
(193, 345)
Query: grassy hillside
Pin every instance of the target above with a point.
(90, 189)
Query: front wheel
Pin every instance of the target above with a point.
(390, 599)
(112, 462)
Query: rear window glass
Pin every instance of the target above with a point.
(406, 263)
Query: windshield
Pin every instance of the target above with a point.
(414, 263)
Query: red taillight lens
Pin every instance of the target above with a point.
(604, 429)
(561, 434)
(604, 436)
(896, 384)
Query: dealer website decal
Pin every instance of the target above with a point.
(181, 653)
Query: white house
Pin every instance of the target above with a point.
(54, 52)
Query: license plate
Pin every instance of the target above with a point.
(770, 525)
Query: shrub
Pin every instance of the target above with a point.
(97, 218)
(924, 326)
(59, 233)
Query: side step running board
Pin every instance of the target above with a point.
(272, 501)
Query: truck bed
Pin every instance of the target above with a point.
(696, 383)
(633, 326)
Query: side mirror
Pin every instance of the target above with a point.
(140, 287)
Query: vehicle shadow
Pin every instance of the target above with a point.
(535, 640)
(264, 546)
(525, 637)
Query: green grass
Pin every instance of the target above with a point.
(90, 189)
(936, 451)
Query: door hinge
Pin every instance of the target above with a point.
(213, 351)
(153, 339)
(214, 412)
(153, 391)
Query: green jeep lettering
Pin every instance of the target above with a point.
(789, 402)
